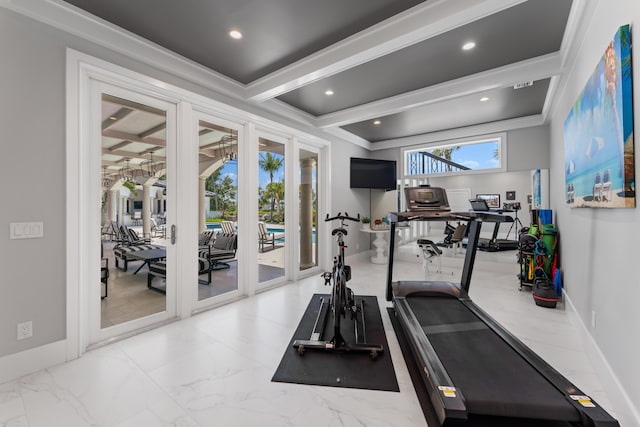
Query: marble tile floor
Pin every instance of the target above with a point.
(214, 369)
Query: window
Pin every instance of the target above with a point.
(456, 157)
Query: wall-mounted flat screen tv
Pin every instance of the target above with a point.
(373, 173)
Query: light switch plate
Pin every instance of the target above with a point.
(26, 230)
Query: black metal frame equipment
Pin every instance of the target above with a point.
(474, 368)
(341, 302)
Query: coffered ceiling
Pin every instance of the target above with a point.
(376, 70)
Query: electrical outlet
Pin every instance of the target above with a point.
(25, 330)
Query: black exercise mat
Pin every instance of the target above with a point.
(339, 369)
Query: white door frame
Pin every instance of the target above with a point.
(193, 166)
(94, 150)
(82, 258)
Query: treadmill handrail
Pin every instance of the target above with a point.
(475, 225)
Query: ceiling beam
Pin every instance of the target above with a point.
(542, 67)
(153, 130)
(131, 137)
(119, 145)
(412, 26)
(130, 154)
(115, 117)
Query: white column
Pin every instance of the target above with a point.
(121, 203)
(112, 205)
(202, 217)
(146, 211)
(306, 214)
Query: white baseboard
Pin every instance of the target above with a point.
(29, 361)
(626, 412)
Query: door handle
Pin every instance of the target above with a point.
(173, 234)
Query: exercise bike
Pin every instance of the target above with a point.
(341, 303)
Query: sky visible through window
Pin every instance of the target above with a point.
(477, 155)
(230, 169)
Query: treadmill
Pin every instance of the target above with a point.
(494, 244)
(475, 372)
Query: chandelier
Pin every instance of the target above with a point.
(227, 153)
(149, 167)
(127, 173)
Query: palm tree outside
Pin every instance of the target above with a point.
(270, 164)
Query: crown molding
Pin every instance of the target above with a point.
(464, 132)
(412, 26)
(528, 70)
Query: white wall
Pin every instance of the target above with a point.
(599, 249)
(527, 149)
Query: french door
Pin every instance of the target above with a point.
(132, 149)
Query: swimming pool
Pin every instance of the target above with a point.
(271, 229)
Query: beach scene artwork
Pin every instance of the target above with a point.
(598, 134)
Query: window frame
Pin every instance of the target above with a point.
(501, 138)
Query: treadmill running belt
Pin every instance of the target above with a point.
(493, 378)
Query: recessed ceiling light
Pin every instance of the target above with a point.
(468, 46)
(235, 34)
(484, 99)
(328, 92)
(376, 122)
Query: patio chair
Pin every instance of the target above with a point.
(227, 227)
(223, 249)
(204, 239)
(159, 269)
(157, 230)
(131, 242)
(136, 219)
(104, 272)
(109, 231)
(265, 237)
(136, 239)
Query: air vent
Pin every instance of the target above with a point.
(522, 85)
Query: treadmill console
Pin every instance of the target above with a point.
(426, 198)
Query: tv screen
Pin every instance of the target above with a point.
(371, 173)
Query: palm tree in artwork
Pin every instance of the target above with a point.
(270, 164)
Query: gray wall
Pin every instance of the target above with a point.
(345, 199)
(600, 247)
(32, 170)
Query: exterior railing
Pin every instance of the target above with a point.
(425, 163)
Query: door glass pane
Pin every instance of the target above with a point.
(308, 178)
(271, 221)
(132, 210)
(218, 210)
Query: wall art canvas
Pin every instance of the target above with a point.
(598, 134)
